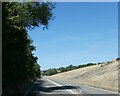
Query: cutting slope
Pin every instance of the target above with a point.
(102, 76)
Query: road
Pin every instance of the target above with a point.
(45, 86)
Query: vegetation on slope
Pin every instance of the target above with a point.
(19, 63)
(103, 75)
(53, 71)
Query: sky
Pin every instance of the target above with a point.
(80, 33)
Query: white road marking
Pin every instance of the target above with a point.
(71, 91)
(29, 89)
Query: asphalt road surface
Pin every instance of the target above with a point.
(47, 87)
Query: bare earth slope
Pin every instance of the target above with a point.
(102, 76)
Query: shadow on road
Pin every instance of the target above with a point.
(51, 89)
(34, 90)
(45, 87)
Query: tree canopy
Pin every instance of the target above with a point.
(19, 63)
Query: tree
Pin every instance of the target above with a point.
(51, 72)
(61, 69)
(19, 64)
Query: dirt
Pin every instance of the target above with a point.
(102, 76)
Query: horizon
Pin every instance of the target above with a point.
(80, 33)
(80, 64)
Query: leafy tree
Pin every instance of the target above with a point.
(61, 69)
(19, 64)
(50, 72)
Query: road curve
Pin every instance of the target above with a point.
(45, 86)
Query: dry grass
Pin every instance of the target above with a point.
(102, 76)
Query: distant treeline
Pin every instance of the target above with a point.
(53, 71)
(65, 69)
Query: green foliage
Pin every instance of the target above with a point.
(51, 72)
(64, 69)
(19, 64)
(118, 59)
(29, 14)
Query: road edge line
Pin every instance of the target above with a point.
(29, 89)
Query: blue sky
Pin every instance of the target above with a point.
(80, 33)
